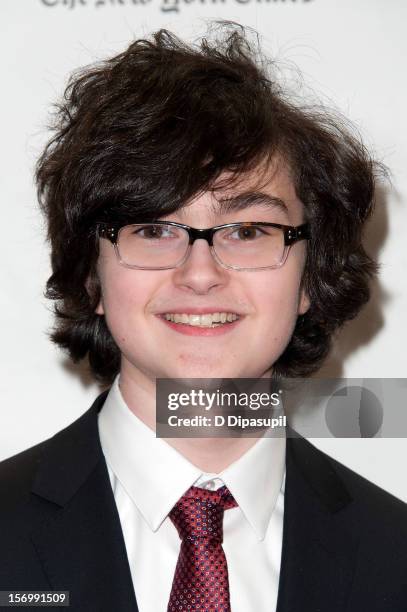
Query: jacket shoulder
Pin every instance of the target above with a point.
(375, 506)
(366, 492)
(17, 473)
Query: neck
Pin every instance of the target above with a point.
(208, 454)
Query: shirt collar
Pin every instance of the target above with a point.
(155, 475)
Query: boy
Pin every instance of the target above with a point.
(201, 225)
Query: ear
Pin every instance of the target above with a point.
(90, 288)
(99, 308)
(304, 302)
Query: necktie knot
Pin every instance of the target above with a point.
(199, 514)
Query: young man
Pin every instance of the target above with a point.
(150, 149)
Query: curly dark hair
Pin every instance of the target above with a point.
(138, 135)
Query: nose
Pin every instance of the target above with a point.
(200, 272)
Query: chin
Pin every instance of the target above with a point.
(203, 370)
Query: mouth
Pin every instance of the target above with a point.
(201, 324)
(215, 319)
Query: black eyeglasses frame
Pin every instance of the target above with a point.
(292, 234)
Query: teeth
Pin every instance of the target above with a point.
(204, 320)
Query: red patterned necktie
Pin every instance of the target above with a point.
(201, 576)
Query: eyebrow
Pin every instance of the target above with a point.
(245, 200)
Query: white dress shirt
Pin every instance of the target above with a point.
(148, 476)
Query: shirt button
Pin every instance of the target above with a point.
(210, 485)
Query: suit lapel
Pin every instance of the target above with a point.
(319, 553)
(77, 532)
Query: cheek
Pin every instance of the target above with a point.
(278, 300)
(121, 301)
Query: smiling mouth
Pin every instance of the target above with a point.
(216, 319)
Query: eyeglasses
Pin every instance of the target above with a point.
(162, 245)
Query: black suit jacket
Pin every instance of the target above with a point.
(344, 539)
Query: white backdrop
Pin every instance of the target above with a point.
(351, 52)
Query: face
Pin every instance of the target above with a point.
(267, 301)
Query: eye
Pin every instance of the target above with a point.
(247, 233)
(153, 231)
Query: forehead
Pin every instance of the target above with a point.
(267, 188)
